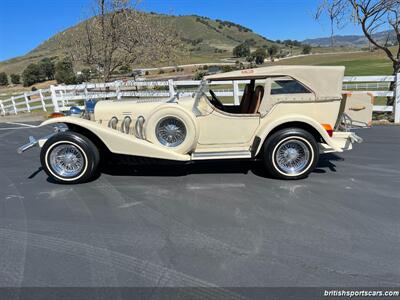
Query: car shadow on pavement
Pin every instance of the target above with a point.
(171, 169)
(176, 169)
(326, 162)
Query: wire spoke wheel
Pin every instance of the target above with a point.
(67, 160)
(292, 156)
(171, 132)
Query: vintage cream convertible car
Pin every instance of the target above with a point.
(287, 116)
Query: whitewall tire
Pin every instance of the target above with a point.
(69, 157)
(291, 153)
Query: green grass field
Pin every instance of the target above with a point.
(360, 63)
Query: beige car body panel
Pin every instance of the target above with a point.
(118, 142)
(218, 134)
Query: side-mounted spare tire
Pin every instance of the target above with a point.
(69, 157)
(172, 127)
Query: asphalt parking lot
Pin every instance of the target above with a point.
(219, 224)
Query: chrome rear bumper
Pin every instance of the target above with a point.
(341, 141)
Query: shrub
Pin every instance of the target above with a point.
(3, 79)
(272, 51)
(227, 68)
(199, 75)
(125, 69)
(65, 72)
(86, 74)
(250, 58)
(15, 78)
(306, 49)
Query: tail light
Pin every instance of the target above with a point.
(328, 128)
(56, 115)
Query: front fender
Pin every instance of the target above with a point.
(121, 143)
(266, 129)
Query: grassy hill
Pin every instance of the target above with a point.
(207, 40)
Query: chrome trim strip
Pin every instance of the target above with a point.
(139, 128)
(221, 154)
(126, 124)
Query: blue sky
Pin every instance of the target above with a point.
(24, 24)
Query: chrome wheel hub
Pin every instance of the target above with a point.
(171, 132)
(66, 160)
(292, 156)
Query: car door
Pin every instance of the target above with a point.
(222, 128)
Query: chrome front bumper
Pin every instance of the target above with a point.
(40, 142)
(34, 142)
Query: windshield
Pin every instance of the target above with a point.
(204, 88)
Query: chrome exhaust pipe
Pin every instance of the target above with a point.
(32, 143)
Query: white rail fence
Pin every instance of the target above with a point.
(61, 97)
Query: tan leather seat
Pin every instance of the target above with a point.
(256, 101)
(246, 98)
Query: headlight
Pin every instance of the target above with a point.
(75, 111)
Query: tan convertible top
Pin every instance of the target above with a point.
(326, 82)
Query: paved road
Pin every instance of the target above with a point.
(222, 224)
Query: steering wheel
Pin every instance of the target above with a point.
(215, 101)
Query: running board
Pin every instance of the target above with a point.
(221, 155)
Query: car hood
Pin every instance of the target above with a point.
(105, 110)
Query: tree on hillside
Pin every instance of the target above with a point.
(3, 79)
(31, 75)
(272, 51)
(259, 56)
(47, 68)
(293, 43)
(372, 16)
(15, 78)
(306, 49)
(120, 35)
(242, 50)
(64, 72)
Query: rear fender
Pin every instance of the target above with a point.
(268, 127)
(121, 143)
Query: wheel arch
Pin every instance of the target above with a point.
(307, 124)
(96, 140)
(76, 126)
